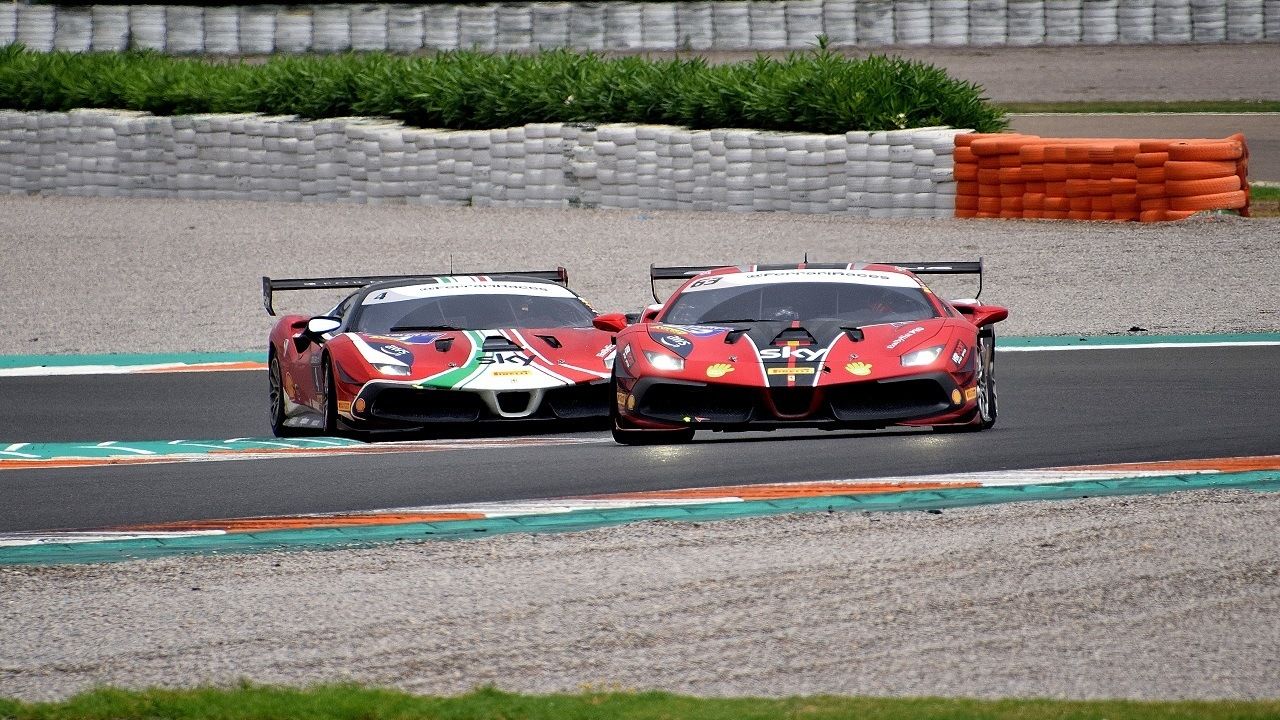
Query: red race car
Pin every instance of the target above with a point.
(413, 351)
(834, 346)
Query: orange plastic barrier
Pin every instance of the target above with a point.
(1009, 175)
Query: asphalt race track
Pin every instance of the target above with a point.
(1057, 408)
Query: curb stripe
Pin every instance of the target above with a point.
(954, 490)
(62, 552)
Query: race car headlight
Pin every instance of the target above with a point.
(922, 357)
(392, 369)
(664, 361)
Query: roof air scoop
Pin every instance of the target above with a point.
(795, 334)
(443, 344)
(854, 333)
(498, 343)
(551, 340)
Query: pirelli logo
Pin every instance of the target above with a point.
(790, 371)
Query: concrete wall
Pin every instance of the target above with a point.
(903, 173)
(616, 25)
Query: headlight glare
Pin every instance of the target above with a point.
(925, 356)
(400, 370)
(664, 361)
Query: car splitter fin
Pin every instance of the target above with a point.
(364, 530)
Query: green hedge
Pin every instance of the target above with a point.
(818, 91)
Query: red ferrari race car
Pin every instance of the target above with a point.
(413, 351)
(834, 346)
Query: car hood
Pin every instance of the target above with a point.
(496, 359)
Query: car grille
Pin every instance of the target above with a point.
(424, 406)
(712, 403)
(580, 401)
(873, 401)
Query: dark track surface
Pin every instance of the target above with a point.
(1057, 408)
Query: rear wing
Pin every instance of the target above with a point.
(957, 267)
(270, 286)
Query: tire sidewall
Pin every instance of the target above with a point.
(330, 399)
(988, 407)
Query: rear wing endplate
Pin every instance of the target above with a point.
(270, 286)
(957, 267)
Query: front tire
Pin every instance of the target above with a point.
(986, 371)
(984, 417)
(276, 397)
(330, 415)
(624, 435)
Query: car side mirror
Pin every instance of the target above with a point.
(650, 313)
(980, 314)
(314, 331)
(318, 326)
(610, 322)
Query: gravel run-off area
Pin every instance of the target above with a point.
(1157, 597)
(1149, 597)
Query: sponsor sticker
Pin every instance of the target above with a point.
(904, 337)
(416, 338)
(394, 351)
(790, 371)
(512, 373)
(675, 342)
(786, 353)
(719, 370)
(961, 352)
(344, 406)
(858, 368)
(505, 358)
(694, 330)
(971, 393)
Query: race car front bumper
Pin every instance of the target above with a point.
(403, 404)
(863, 404)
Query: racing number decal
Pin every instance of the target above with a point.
(704, 282)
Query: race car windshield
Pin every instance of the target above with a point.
(473, 312)
(853, 304)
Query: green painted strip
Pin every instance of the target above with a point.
(450, 378)
(127, 359)
(159, 448)
(1084, 341)
(364, 536)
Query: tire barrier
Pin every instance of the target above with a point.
(1025, 176)
(619, 25)
(899, 173)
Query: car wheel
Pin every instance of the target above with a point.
(624, 435)
(276, 397)
(985, 368)
(986, 371)
(330, 400)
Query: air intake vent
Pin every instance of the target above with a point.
(513, 402)
(497, 343)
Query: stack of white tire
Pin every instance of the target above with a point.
(1026, 20)
(899, 173)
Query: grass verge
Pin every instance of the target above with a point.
(1264, 200)
(349, 702)
(818, 91)
(1145, 106)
